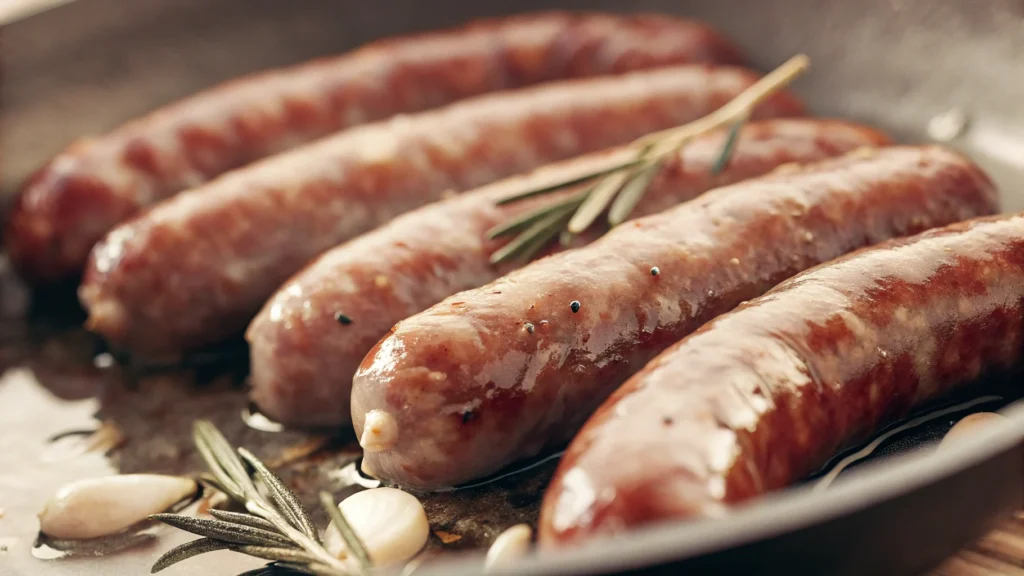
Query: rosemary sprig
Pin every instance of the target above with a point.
(622, 181)
(276, 527)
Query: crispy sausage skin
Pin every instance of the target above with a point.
(503, 372)
(764, 395)
(197, 267)
(96, 183)
(303, 360)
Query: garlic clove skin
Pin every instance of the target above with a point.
(96, 507)
(509, 546)
(391, 524)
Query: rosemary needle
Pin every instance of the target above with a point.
(597, 201)
(538, 233)
(545, 237)
(282, 496)
(517, 224)
(613, 165)
(730, 144)
(631, 194)
(188, 550)
(224, 531)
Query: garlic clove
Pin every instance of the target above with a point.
(391, 524)
(96, 507)
(969, 424)
(509, 546)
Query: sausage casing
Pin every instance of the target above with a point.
(197, 267)
(764, 395)
(303, 360)
(69, 204)
(471, 388)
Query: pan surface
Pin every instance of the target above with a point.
(924, 70)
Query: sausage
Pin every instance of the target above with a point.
(197, 267)
(302, 360)
(506, 371)
(763, 396)
(69, 204)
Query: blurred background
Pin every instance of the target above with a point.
(90, 64)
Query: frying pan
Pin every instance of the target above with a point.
(924, 70)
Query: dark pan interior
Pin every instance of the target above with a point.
(904, 65)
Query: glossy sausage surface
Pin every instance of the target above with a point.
(303, 359)
(764, 395)
(504, 372)
(69, 204)
(197, 267)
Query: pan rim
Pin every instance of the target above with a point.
(787, 511)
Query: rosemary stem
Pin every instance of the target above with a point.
(668, 141)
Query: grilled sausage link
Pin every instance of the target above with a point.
(197, 267)
(303, 360)
(70, 203)
(764, 395)
(506, 371)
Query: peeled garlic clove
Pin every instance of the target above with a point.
(509, 546)
(970, 424)
(390, 523)
(97, 507)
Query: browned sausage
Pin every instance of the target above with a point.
(96, 183)
(511, 369)
(303, 360)
(763, 396)
(197, 267)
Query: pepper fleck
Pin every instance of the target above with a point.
(467, 416)
(655, 271)
(666, 420)
(574, 306)
(529, 328)
(344, 320)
